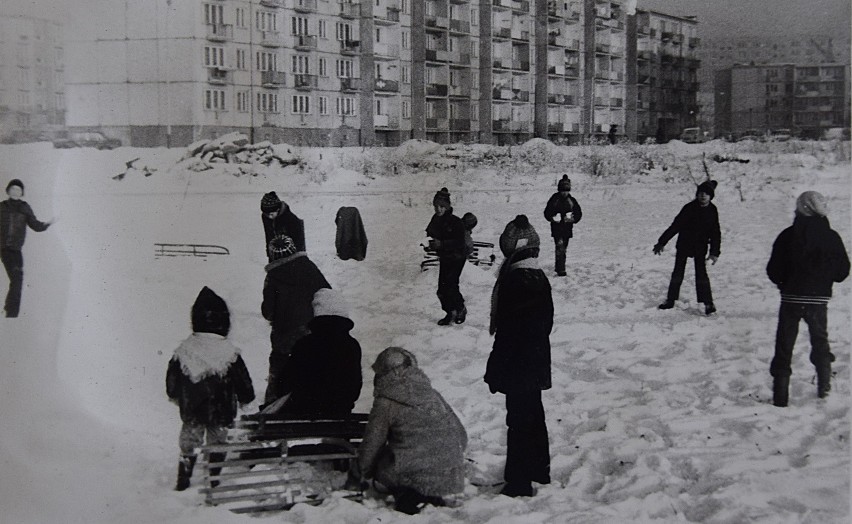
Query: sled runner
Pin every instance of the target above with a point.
(272, 463)
(430, 259)
(188, 250)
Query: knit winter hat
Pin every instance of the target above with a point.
(708, 187)
(210, 313)
(328, 302)
(15, 182)
(811, 203)
(270, 202)
(469, 220)
(442, 197)
(564, 184)
(392, 358)
(519, 234)
(280, 247)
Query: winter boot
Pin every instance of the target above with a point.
(214, 472)
(823, 380)
(780, 386)
(518, 489)
(668, 304)
(187, 462)
(709, 308)
(447, 320)
(408, 501)
(461, 315)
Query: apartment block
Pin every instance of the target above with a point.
(32, 85)
(755, 99)
(355, 72)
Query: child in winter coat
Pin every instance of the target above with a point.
(15, 216)
(323, 376)
(206, 378)
(291, 281)
(807, 258)
(519, 363)
(562, 211)
(446, 233)
(469, 222)
(414, 443)
(279, 220)
(696, 226)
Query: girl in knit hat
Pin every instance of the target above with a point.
(807, 258)
(696, 227)
(519, 363)
(279, 220)
(447, 238)
(562, 211)
(206, 377)
(15, 216)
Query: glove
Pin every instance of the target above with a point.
(658, 249)
(712, 259)
(434, 244)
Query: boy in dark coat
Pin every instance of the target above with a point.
(414, 443)
(696, 226)
(350, 239)
(323, 375)
(807, 258)
(206, 378)
(519, 363)
(15, 216)
(279, 220)
(291, 281)
(562, 211)
(446, 232)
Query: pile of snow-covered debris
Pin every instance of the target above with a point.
(235, 148)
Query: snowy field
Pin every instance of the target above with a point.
(654, 416)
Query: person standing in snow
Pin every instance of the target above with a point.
(519, 363)
(279, 220)
(323, 376)
(446, 232)
(414, 443)
(697, 226)
(206, 378)
(15, 216)
(562, 211)
(807, 258)
(291, 281)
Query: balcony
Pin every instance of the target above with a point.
(572, 70)
(694, 41)
(522, 6)
(437, 123)
(272, 3)
(436, 90)
(386, 86)
(616, 76)
(305, 82)
(644, 55)
(498, 63)
(390, 17)
(500, 125)
(520, 65)
(677, 38)
(519, 95)
(521, 35)
(555, 98)
(350, 84)
(600, 101)
(460, 124)
(440, 22)
(498, 93)
(555, 127)
(460, 91)
(573, 45)
(272, 78)
(305, 42)
(666, 36)
(381, 120)
(503, 32)
(383, 50)
(616, 102)
(459, 26)
(217, 76)
(437, 55)
(349, 47)
(271, 39)
(505, 4)
(350, 10)
(220, 32)
(305, 6)
(602, 48)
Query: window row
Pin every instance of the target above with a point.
(214, 56)
(214, 100)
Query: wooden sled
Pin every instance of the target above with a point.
(188, 250)
(263, 467)
(477, 258)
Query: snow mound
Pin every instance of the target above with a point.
(416, 148)
(539, 143)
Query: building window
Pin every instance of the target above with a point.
(406, 8)
(380, 107)
(214, 14)
(474, 17)
(323, 105)
(240, 17)
(298, 25)
(267, 102)
(406, 109)
(301, 64)
(405, 42)
(322, 26)
(266, 61)
(242, 101)
(346, 106)
(241, 59)
(265, 21)
(343, 31)
(344, 68)
(474, 112)
(323, 69)
(214, 56)
(405, 75)
(300, 104)
(214, 99)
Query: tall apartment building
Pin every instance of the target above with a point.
(755, 99)
(340, 72)
(32, 92)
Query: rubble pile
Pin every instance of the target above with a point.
(234, 148)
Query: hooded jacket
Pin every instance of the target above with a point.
(286, 223)
(287, 294)
(323, 375)
(557, 205)
(206, 377)
(15, 216)
(413, 438)
(696, 227)
(807, 258)
(449, 229)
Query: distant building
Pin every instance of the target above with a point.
(324, 72)
(808, 100)
(32, 91)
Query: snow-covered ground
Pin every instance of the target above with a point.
(653, 415)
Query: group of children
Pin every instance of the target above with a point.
(414, 442)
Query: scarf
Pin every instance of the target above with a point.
(205, 354)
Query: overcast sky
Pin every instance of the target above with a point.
(716, 17)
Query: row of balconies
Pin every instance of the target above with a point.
(560, 99)
(556, 39)
(509, 125)
(562, 127)
(601, 101)
(556, 10)
(567, 69)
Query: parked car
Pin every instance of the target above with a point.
(692, 135)
(751, 134)
(87, 139)
(780, 135)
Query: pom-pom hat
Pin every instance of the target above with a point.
(708, 187)
(280, 247)
(442, 198)
(270, 202)
(811, 203)
(519, 234)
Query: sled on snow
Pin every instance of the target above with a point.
(477, 256)
(272, 462)
(188, 250)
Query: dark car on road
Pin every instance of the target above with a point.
(87, 139)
